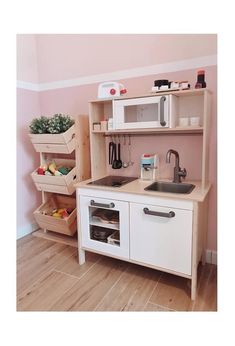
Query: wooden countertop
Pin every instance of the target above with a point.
(137, 187)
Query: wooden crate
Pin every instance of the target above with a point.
(67, 225)
(62, 143)
(58, 184)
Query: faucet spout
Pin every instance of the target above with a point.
(178, 172)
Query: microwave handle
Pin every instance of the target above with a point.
(162, 100)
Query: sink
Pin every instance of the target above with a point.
(163, 186)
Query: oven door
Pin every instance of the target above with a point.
(143, 112)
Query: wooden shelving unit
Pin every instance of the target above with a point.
(78, 147)
(189, 102)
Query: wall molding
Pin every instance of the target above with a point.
(174, 66)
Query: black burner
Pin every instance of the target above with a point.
(113, 181)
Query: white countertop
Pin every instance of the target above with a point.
(138, 186)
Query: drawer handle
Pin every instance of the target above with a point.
(95, 204)
(159, 213)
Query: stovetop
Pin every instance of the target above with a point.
(112, 181)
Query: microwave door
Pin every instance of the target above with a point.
(148, 112)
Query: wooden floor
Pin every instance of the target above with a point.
(49, 278)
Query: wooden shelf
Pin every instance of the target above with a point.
(188, 92)
(104, 225)
(79, 133)
(59, 238)
(157, 131)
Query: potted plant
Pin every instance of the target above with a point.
(53, 134)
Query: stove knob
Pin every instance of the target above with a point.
(112, 91)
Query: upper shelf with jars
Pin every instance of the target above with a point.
(180, 111)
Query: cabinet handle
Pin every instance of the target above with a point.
(95, 204)
(159, 213)
(162, 121)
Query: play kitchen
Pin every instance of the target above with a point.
(143, 218)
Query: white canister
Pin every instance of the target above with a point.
(110, 124)
(195, 121)
(104, 125)
(183, 121)
(96, 126)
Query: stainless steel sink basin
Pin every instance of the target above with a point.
(163, 186)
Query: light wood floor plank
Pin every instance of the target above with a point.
(173, 292)
(132, 291)
(155, 307)
(90, 289)
(49, 278)
(206, 292)
(72, 267)
(32, 248)
(34, 268)
(45, 292)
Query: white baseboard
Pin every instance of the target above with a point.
(211, 257)
(27, 229)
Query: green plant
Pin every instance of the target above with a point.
(58, 123)
(39, 125)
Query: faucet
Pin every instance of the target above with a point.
(178, 172)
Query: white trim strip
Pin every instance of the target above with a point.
(26, 229)
(28, 86)
(174, 66)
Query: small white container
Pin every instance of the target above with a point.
(183, 121)
(195, 121)
(110, 124)
(96, 126)
(104, 125)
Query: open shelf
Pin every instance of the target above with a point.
(57, 237)
(175, 130)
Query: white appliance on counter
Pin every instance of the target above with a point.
(110, 90)
(145, 112)
(149, 167)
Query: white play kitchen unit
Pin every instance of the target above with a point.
(157, 224)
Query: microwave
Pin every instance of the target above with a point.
(144, 112)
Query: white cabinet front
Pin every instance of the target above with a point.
(104, 225)
(161, 236)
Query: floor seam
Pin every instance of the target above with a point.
(60, 271)
(148, 301)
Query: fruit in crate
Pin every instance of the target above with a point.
(40, 171)
(57, 173)
(64, 170)
(52, 167)
(60, 213)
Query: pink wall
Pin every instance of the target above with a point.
(27, 65)
(48, 58)
(28, 198)
(90, 54)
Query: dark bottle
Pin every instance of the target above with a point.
(200, 80)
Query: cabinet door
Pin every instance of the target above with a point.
(161, 236)
(104, 225)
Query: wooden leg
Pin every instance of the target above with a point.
(194, 285)
(81, 256)
(203, 259)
